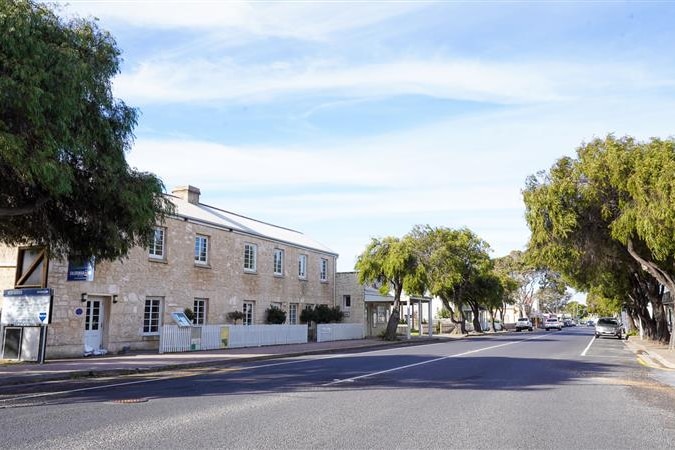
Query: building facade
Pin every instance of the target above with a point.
(362, 303)
(209, 260)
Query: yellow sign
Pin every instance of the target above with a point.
(224, 336)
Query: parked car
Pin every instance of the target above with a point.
(552, 323)
(590, 323)
(609, 326)
(523, 323)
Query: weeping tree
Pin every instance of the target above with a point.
(453, 263)
(606, 221)
(393, 263)
(66, 184)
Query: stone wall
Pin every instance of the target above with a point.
(177, 281)
(346, 284)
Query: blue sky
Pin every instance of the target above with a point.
(352, 120)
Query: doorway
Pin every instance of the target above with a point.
(94, 321)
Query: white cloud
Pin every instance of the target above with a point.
(302, 20)
(201, 80)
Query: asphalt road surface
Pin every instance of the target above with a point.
(558, 389)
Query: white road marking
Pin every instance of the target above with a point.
(457, 355)
(260, 366)
(588, 346)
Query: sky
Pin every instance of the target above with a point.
(353, 120)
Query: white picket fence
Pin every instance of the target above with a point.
(339, 331)
(211, 337)
(259, 335)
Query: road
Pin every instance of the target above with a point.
(558, 389)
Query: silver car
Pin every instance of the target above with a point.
(608, 326)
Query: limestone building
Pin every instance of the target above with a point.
(203, 258)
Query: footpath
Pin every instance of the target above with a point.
(15, 373)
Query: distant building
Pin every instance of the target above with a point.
(203, 258)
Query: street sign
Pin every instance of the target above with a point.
(42, 316)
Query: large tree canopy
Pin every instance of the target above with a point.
(606, 221)
(66, 184)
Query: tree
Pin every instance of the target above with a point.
(605, 221)
(452, 262)
(509, 288)
(234, 316)
(518, 267)
(63, 137)
(552, 292)
(576, 309)
(394, 263)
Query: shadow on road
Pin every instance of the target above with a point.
(353, 372)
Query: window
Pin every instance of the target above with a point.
(381, 314)
(302, 266)
(156, 250)
(250, 251)
(200, 311)
(201, 250)
(152, 316)
(324, 270)
(248, 313)
(278, 262)
(346, 302)
(293, 314)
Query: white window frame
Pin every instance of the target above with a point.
(323, 270)
(152, 316)
(293, 314)
(302, 267)
(278, 262)
(199, 308)
(250, 257)
(157, 249)
(249, 313)
(346, 307)
(201, 252)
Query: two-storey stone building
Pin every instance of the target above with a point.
(203, 258)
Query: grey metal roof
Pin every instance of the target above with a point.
(210, 215)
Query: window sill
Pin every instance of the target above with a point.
(158, 260)
(250, 272)
(203, 265)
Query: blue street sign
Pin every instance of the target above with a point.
(42, 316)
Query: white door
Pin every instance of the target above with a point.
(93, 325)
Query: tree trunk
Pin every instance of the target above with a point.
(492, 320)
(392, 325)
(475, 309)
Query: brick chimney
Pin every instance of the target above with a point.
(188, 193)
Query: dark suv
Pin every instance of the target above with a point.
(608, 326)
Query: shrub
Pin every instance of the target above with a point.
(322, 314)
(275, 315)
(235, 315)
(189, 314)
(444, 314)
